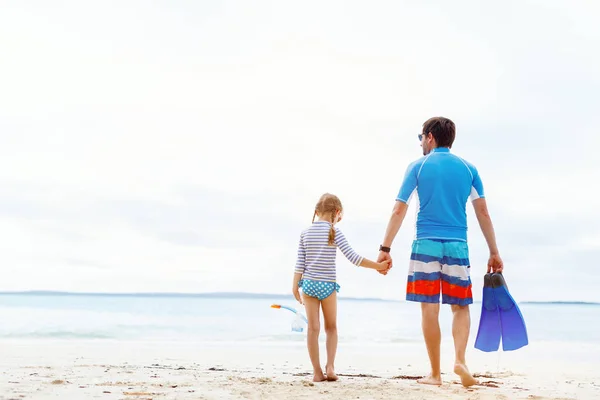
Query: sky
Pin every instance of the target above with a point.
(181, 146)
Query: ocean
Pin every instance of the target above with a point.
(249, 318)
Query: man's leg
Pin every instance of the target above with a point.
(423, 286)
(461, 326)
(433, 337)
(456, 290)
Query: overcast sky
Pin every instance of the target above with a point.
(181, 145)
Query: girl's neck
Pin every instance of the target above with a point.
(324, 218)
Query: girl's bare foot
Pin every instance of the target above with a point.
(465, 376)
(331, 376)
(319, 377)
(431, 380)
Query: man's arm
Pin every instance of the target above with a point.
(394, 224)
(495, 263)
(408, 188)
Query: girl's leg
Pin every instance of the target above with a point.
(330, 315)
(312, 314)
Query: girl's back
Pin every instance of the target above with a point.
(318, 257)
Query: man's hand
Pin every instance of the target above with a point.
(495, 264)
(384, 256)
(297, 294)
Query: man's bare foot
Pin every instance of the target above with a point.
(465, 376)
(331, 376)
(431, 380)
(319, 377)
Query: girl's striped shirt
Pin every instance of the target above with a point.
(316, 258)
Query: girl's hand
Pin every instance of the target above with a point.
(297, 295)
(385, 265)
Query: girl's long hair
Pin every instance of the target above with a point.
(328, 204)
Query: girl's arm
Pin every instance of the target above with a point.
(382, 266)
(299, 269)
(301, 260)
(353, 257)
(297, 278)
(296, 289)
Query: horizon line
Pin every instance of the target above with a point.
(172, 294)
(236, 295)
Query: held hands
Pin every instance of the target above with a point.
(385, 261)
(495, 263)
(384, 266)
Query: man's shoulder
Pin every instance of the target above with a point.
(468, 164)
(416, 164)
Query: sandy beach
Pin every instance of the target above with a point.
(163, 370)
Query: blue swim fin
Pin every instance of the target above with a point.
(514, 331)
(490, 330)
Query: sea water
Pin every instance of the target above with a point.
(244, 318)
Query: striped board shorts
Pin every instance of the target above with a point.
(439, 265)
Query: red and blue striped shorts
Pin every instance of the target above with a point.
(439, 266)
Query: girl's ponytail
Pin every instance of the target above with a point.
(332, 230)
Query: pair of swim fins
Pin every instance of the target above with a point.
(501, 318)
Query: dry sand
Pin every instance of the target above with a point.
(146, 370)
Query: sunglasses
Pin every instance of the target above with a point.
(421, 137)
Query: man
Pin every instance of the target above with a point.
(439, 259)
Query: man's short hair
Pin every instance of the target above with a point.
(442, 129)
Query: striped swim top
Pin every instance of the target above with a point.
(316, 258)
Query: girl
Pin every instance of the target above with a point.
(315, 274)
